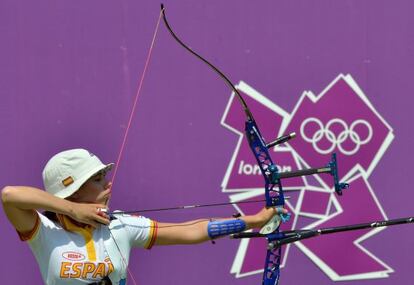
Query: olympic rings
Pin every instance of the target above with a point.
(336, 140)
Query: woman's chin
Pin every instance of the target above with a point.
(104, 200)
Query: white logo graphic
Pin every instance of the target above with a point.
(335, 140)
(322, 132)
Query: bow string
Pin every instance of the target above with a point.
(124, 141)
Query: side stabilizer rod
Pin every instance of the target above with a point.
(286, 237)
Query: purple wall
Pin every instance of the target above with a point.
(69, 71)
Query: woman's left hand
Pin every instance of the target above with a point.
(264, 215)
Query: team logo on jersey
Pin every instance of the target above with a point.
(340, 119)
(73, 256)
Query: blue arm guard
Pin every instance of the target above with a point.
(222, 228)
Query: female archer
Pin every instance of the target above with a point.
(75, 241)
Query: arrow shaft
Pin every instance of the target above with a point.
(183, 207)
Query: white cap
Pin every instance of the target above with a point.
(68, 170)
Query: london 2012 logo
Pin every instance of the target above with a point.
(340, 119)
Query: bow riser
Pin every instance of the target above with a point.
(274, 197)
(272, 266)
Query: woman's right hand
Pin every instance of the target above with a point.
(90, 214)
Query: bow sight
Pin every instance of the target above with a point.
(331, 168)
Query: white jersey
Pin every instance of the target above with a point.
(73, 255)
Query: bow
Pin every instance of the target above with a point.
(274, 195)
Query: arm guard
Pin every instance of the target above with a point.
(222, 228)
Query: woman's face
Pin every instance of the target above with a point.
(95, 190)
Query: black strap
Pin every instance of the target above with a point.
(105, 281)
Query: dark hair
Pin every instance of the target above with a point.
(51, 216)
(105, 281)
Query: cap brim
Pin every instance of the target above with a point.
(76, 185)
